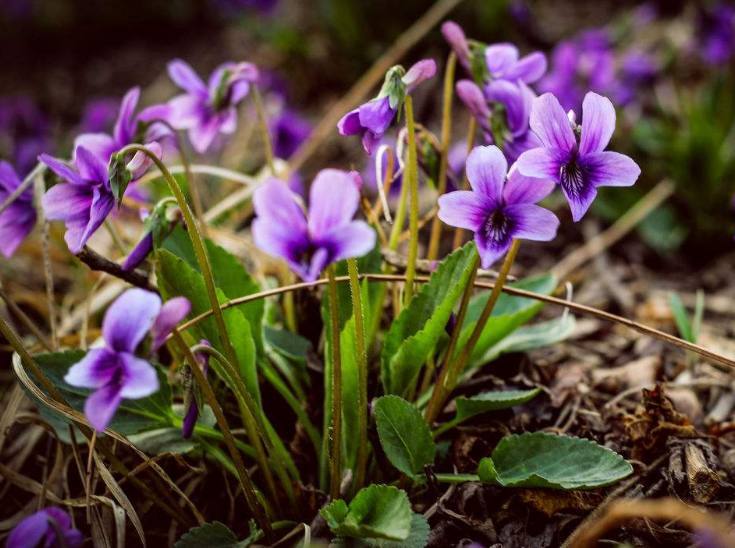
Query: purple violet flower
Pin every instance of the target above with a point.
(573, 157)
(457, 40)
(500, 207)
(18, 220)
(309, 242)
(637, 70)
(503, 63)
(129, 128)
(288, 130)
(372, 119)
(85, 199)
(717, 34)
(41, 529)
(206, 110)
(99, 115)
(114, 371)
(192, 407)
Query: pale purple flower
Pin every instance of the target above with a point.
(85, 199)
(115, 371)
(457, 40)
(372, 119)
(500, 207)
(129, 128)
(502, 112)
(717, 34)
(585, 63)
(192, 407)
(573, 157)
(309, 242)
(288, 131)
(41, 530)
(18, 220)
(638, 70)
(504, 63)
(99, 115)
(206, 110)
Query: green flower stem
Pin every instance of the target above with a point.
(456, 478)
(454, 367)
(471, 130)
(253, 423)
(335, 453)
(437, 395)
(362, 365)
(264, 132)
(246, 483)
(446, 135)
(412, 177)
(399, 219)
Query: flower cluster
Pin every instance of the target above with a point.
(137, 323)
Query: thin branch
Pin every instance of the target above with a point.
(97, 262)
(27, 182)
(580, 308)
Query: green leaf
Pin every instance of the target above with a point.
(681, 318)
(132, 416)
(414, 334)
(417, 538)
(162, 440)
(377, 512)
(404, 435)
(531, 337)
(287, 343)
(547, 460)
(509, 314)
(492, 401)
(176, 277)
(119, 177)
(215, 534)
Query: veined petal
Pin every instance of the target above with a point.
(97, 368)
(102, 203)
(63, 201)
(125, 125)
(275, 204)
(99, 144)
(490, 250)
(172, 312)
(184, 76)
(318, 262)
(139, 378)
(129, 318)
(185, 111)
(550, 123)
(598, 123)
(520, 189)
(354, 239)
(532, 222)
(463, 209)
(486, 170)
(62, 170)
(580, 198)
(333, 201)
(101, 405)
(500, 58)
(540, 163)
(610, 168)
(528, 69)
(91, 167)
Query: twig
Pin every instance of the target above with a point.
(620, 228)
(97, 262)
(27, 182)
(362, 87)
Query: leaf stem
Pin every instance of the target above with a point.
(335, 453)
(413, 190)
(362, 365)
(446, 135)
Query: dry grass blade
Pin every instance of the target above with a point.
(120, 496)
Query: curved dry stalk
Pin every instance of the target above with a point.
(202, 169)
(580, 308)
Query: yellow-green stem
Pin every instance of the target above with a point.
(456, 366)
(441, 185)
(471, 130)
(362, 411)
(400, 217)
(335, 452)
(437, 395)
(413, 190)
(246, 483)
(264, 131)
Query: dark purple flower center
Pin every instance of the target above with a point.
(498, 227)
(573, 176)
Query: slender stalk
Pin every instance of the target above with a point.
(39, 189)
(253, 423)
(446, 135)
(412, 176)
(455, 366)
(362, 403)
(400, 217)
(335, 452)
(289, 307)
(246, 483)
(264, 131)
(23, 186)
(471, 130)
(437, 394)
(203, 169)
